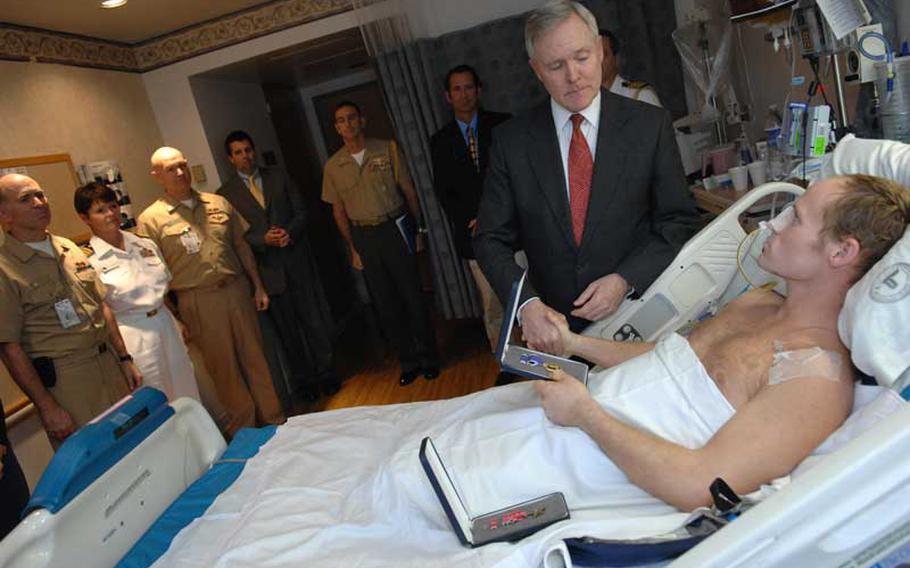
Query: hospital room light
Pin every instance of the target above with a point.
(113, 3)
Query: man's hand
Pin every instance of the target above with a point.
(261, 299)
(277, 237)
(57, 422)
(472, 226)
(355, 259)
(133, 375)
(420, 243)
(601, 298)
(565, 400)
(537, 330)
(184, 331)
(2, 453)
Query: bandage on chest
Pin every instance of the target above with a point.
(808, 363)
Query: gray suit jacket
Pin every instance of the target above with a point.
(284, 207)
(640, 210)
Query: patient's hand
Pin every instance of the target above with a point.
(601, 298)
(538, 331)
(567, 339)
(565, 400)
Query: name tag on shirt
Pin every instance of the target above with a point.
(66, 313)
(190, 241)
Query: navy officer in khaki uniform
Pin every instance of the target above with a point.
(58, 339)
(370, 190)
(202, 240)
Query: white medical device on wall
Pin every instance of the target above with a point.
(705, 275)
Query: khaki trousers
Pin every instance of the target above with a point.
(88, 383)
(222, 322)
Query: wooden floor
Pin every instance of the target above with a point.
(371, 372)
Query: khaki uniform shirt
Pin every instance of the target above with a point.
(197, 242)
(371, 191)
(31, 282)
(636, 90)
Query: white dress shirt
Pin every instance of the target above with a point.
(562, 119)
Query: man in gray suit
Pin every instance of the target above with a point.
(273, 206)
(589, 184)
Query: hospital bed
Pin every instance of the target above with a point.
(122, 488)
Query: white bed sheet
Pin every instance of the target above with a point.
(345, 488)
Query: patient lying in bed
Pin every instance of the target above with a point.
(777, 361)
(345, 488)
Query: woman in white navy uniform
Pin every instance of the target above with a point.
(136, 280)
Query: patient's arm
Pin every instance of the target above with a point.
(602, 352)
(767, 438)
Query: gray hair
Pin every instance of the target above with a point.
(551, 14)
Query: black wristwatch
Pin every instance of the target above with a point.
(125, 358)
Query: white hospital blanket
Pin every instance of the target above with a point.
(345, 488)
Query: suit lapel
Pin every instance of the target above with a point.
(608, 162)
(267, 189)
(248, 206)
(484, 138)
(546, 161)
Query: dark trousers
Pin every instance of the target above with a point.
(394, 284)
(301, 314)
(13, 487)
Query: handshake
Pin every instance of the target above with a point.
(545, 329)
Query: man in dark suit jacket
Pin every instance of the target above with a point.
(460, 152)
(273, 206)
(589, 184)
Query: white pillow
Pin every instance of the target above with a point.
(875, 320)
(883, 158)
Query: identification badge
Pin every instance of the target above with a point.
(190, 241)
(66, 313)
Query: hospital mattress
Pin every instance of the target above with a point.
(197, 498)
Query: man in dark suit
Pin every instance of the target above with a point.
(273, 206)
(461, 151)
(589, 184)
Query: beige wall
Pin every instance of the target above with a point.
(90, 114)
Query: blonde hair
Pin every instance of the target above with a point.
(873, 210)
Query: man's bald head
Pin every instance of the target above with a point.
(13, 182)
(169, 168)
(24, 210)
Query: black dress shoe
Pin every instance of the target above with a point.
(408, 377)
(430, 373)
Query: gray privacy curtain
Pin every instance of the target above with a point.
(411, 74)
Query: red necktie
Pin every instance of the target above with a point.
(581, 168)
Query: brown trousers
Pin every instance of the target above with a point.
(222, 323)
(88, 383)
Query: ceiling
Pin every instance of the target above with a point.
(308, 63)
(137, 21)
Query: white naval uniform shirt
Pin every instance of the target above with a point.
(136, 278)
(645, 94)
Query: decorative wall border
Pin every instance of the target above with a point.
(18, 43)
